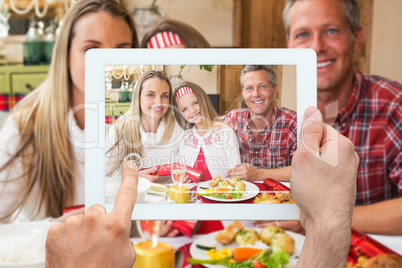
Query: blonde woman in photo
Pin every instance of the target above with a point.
(41, 145)
(148, 129)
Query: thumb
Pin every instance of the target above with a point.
(312, 131)
(133, 254)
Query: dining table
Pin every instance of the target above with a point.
(183, 242)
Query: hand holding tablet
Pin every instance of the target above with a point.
(105, 238)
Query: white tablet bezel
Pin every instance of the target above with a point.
(95, 62)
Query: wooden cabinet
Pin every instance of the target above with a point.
(116, 108)
(2, 82)
(20, 78)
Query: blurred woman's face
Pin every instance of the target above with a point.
(95, 30)
(154, 98)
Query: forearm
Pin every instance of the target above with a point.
(279, 174)
(325, 245)
(380, 218)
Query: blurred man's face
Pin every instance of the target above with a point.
(322, 26)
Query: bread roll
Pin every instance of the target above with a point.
(227, 235)
(268, 232)
(247, 237)
(284, 241)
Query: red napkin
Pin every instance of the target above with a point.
(273, 185)
(164, 170)
(189, 228)
(366, 245)
(68, 209)
(186, 254)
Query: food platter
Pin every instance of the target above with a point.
(209, 240)
(251, 191)
(23, 233)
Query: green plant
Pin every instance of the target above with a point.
(205, 67)
(153, 3)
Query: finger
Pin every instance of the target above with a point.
(329, 150)
(312, 130)
(133, 254)
(245, 165)
(243, 175)
(96, 210)
(127, 194)
(173, 233)
(262, 224)
(153, 178)
(166, 228)
(145, 172)
(230, 171)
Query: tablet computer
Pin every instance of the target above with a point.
(109, 71)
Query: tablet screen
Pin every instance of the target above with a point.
(181, 188)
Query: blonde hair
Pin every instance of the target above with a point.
(44, 150)
(207, 111)
(127, 127)
(189, 35)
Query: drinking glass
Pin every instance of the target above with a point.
(150, 230)
(177, 169)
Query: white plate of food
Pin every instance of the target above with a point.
(247, 189)
(208, 240)
(23, 244)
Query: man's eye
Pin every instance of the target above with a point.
(263, 86)
(301, 35)
(249, 88)
(332, 31)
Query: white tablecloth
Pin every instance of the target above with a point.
(392, 242)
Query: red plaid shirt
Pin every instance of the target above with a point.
(372, 119)
(8, 101)
(275, 145)
(111, 119)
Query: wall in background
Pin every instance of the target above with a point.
(288, 95)
(207, 80)
(386, 56)
(212, 18)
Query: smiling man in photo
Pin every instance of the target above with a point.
(267, 134)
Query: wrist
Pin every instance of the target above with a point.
(259, 174)
(327, 243)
